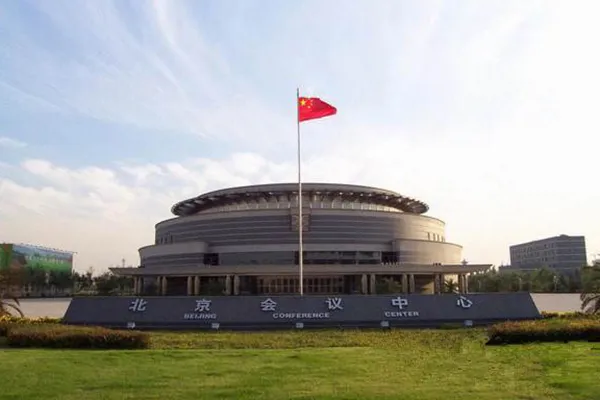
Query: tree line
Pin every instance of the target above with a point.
(542, 280)
(33, 282)
(36, 282)
(536, 281)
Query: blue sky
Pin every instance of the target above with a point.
(113, 110)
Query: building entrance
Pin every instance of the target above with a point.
(269, 285)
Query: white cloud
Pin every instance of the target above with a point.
(13, 143)
(164, 76)
(89, 208)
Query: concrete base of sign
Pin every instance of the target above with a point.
(292, 312)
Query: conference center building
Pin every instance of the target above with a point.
(245, 241)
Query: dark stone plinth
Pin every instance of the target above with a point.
(285, 312)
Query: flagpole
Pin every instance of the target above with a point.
(300, 226)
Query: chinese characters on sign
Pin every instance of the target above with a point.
(138, 305)
(330, 307)
(400, 303)
(463, 302)
(268, 305)
(334, 303)
(202, 305)
(201, 311)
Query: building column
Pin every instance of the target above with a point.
(364, 286)
(440, 281)
(404, 283)
(373, 288)
(196, 285)
(436, 284)
(411, 283)
(190, 285)
(228, 285)
(236, 285)
(461, 283)
(159, 285)
(164, 286)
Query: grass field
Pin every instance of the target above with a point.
(308, 365)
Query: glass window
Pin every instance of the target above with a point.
(257, 258)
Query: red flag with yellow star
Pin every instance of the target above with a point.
(313, 108)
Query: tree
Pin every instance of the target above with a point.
(590, 295)
(83, 282)
(541, 280)
(450, 286)
(10, 278)
(106, 284)
(38, 279)
(388, 286)
(9, 305)
(214, 287)
(60, 280)
(150, 289)
(486, 282)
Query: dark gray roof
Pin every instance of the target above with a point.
(358, 193)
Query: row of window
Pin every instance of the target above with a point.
(549, 257)
(565, 244)
(278, 258)
(435, 237)
(187, 237)
(313, 203)
(308, 257)
(325, 285)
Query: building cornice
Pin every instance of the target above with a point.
(312, 270)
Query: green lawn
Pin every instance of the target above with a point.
(379, 365)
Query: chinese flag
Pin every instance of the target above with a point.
(313, 108)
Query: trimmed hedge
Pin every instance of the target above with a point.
(569, 315)
(6, 321)
(74, 337)
(26, 320)
(565, 330)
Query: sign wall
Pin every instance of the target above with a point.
(286, 311)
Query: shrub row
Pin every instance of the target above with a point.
(75, 337)
(569, 315)
(7, 321)
(26, 320)
(544, 331)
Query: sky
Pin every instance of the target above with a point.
(113, 110)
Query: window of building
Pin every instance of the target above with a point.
(389, 257)
(290, 285)
(211, 259)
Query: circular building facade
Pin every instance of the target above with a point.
(245, 240)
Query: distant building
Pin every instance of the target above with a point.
(560, 253)
(37, 257)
